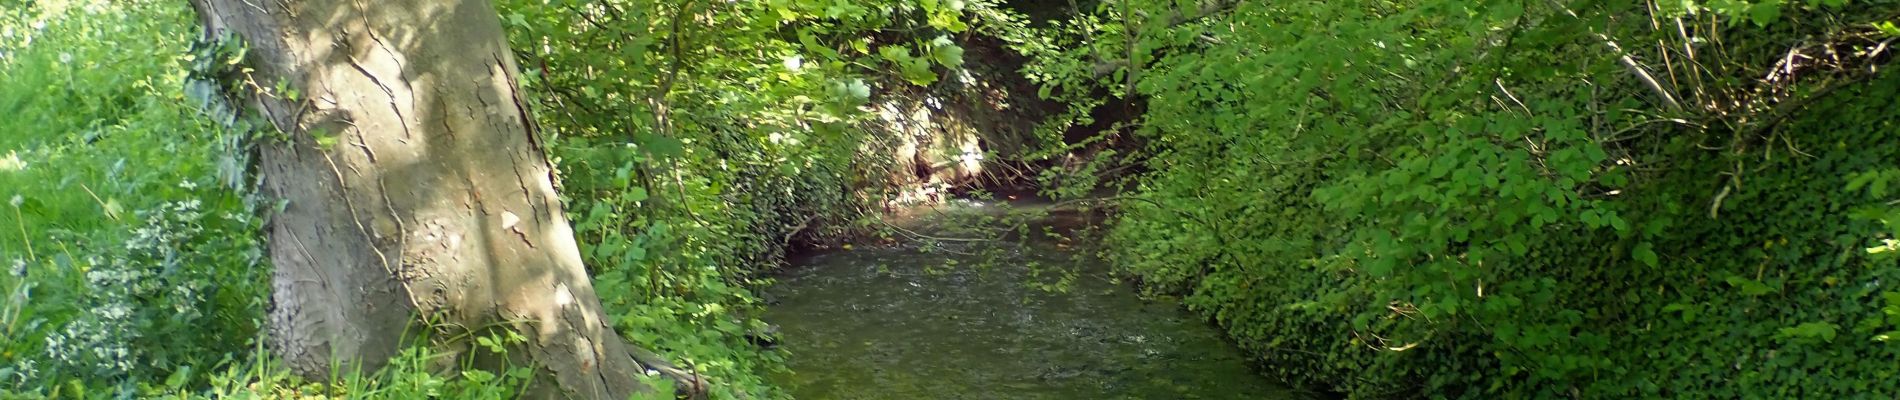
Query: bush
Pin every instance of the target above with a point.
(1451, 200)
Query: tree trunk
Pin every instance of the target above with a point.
(416, 191)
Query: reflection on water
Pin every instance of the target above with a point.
(900, 323)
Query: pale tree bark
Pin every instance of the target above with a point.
(417, 195)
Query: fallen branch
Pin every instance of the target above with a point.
(792, 230)
(914, 234)
(691, 385)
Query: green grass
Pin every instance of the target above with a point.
(134, 266)
(120, 206)
(96, 125)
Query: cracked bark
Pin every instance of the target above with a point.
(448, 214)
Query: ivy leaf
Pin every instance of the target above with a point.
(1811, 330)
(1517, 245)
(1689, 312)
(1749, 286)
(1646, 254)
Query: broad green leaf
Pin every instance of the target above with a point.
(1646, 254)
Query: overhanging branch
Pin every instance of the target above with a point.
(1173, 19)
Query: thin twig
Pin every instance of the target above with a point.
(1623, 57)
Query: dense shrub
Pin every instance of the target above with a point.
(1477, 200)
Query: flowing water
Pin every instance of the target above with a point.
(993, 320)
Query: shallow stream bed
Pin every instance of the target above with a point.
(993, 320)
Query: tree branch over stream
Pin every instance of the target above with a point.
(1174, 19)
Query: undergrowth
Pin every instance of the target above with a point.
(133, 260)
(1505, 199)
(130, 264)
(690, 165)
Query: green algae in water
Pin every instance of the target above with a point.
(898, 323)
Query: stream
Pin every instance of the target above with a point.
(995, 319)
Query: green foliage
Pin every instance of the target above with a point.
(415, 373)
(689, 160)
(133, 265)
(1423, 197)
(130, 262)
(696, 140)
(1481, 199)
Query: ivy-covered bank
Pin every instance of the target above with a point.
(1505, 199)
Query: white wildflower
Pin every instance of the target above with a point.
(23, 370)
(115, 311)
(17, 201)
(187, 184)
(65, 58)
